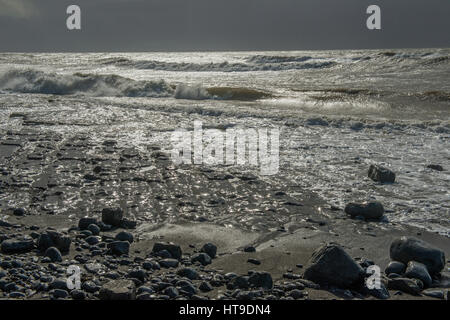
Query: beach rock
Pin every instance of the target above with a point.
(84, 223)
(189, 273)
(59, 293)
(139, 274)
(261, 280)
(331, 265)
(205, 286)
(411, 286)
(249, 249)
(164, 254)
(52, 238)
(174, 249)
(119, 247)
(395, 267)
(95, 229)
(118, 290)
(92, 240)
(419, 271)
(381, 174)
(112, 216)
(210, 249)
(54, 254)
(169, 263)
(202, 257)
(435, 293)
(124, 236)
(369, 210)
(128, 224)
(19, 212)
(239, 282)
(436, 167)
(78, 294)
(408, 249)
(11, 246)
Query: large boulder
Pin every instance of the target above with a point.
(408, 249)
(417, 270)
(381, 174)
(112, 216)
(331, 265)
(12, 246)
(119, 247)
(56, 239)
(369, 210)
(84, 223)
(118, 290)
(261, 279)
(174, 249)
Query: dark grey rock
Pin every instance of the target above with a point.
(90, 286)
(12, 246)
(78, 294)
(369, 210)
(436, 167)
(419, 271)
(411, 286)
(254, 261)
(261, 280)
(381, 174)
(395, 267)
(84, 223)
(201, 257)
(296, 294)
(139, 274)
(124, 236)
(435, 293)
(239, 282)
(205, 286)
(164, 254)
(128, 224)
(19, 212)
(53, 239)
(331, 265)
(189, 273)
(174, 249)
(249, 249)
(54, 254)
(112, 216)
(379, 293)
(172, 292)
(119, 247)
(169, 263)
(59, 293)
(118, 290)
(408, 249)
(95, 229)
(210, 249)
(92, 240)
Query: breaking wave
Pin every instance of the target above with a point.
(219, 93)
(35, 81)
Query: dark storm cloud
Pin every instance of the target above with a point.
(143, 25)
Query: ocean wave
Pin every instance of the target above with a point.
(35, 81)
(219, 93)
(256, 65)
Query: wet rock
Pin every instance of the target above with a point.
(240, 282)
(119, 247)
(411, 286)
(189, 273)
(174, 249)
(249, 249)
(202, 257)
(205, 286)
(379, 293)
(84, 223)
(435, 293)
(296, 294)
(139, 274)
(112, 216)
(210, 249)
(90, 286)
(169, 263)
(128, 224)
(419, 271)
(261, 280)
(369, 210)
(78, 294)
(124, 236)
(19, 212)
(59, 293)
(408, 249)
(118, 290)
(11, 246)
(164, 254)
(92, 240)
(395, 267)
(436, 167)
(53, 239)
(381, 174)
(95, 229)
(172, 292)
(254, 261)
(331, 265)
(54, 254)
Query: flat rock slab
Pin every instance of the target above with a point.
(118, 290)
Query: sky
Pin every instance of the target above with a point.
(221, 25)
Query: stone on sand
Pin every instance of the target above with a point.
(118, 290)
(369, 210)
(381, 174)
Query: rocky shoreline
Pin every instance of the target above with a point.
(75, 193)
